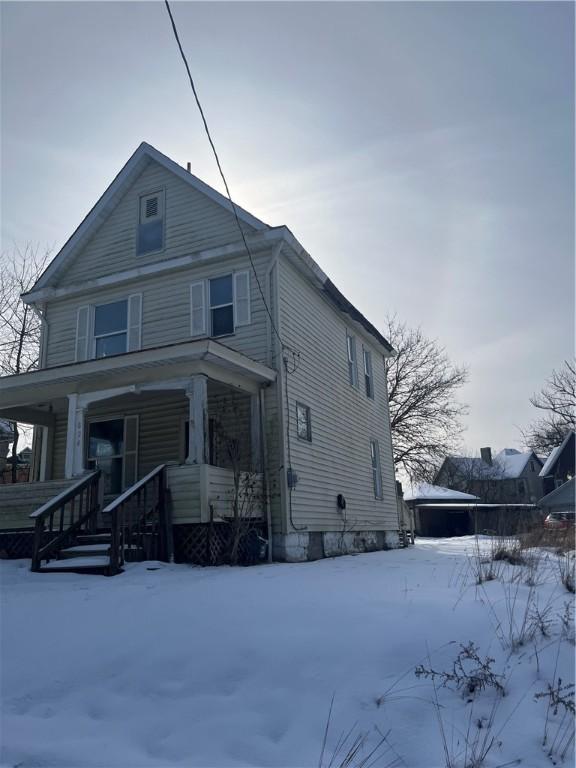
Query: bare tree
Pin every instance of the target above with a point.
(557, 403)
(424, 412)
(20, 326)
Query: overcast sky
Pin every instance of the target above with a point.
(422, 153)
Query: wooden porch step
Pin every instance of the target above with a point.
(94, 538)
(95, 565)
(82, 550)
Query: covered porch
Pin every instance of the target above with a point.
(196, 407)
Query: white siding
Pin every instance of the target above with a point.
(192, 223)
(344, 419)
(165, 311)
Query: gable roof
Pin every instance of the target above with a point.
(506, 465)
(563, 496)
(109, 199)
(122, 182)
(555, 453)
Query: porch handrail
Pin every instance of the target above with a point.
(64, 496)
(139, 518)
(133, 490)
(81, 517)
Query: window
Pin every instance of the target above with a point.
(376, 473)
(110, 328)
(521, 488)
(352, 369)
(368, 378)
(303, 422)
(151, 223)
(221, 306)
(531, 466)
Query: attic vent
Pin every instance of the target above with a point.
(151, 207)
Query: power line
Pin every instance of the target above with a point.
(199, 105)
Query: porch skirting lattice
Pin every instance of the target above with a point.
(209, 543)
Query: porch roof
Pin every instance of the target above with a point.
(173, 361)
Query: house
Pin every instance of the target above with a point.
(441, 511)
(561, 499)
(559, 466)
(185, 382)
(510, 477)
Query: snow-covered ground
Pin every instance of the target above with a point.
(183, 666)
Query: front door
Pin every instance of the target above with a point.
(113, 448)
(106, 452)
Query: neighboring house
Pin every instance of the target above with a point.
(559, 466)
(561, 499)
(510, 477)
(159, 349)
(440, 511)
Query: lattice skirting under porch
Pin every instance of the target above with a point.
(17, 544)
(209, 544)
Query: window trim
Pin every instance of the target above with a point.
(308, 411)
(161, 192)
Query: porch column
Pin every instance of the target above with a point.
(197, 394)
(255, 433)
(75, 437)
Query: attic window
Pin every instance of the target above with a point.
(151, 223)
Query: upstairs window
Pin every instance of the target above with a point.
(303, 422)
(368, 377)
(352, 367)
(376, 471)
(221, 306)
(151, 223)
(110, 328)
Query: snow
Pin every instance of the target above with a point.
(172, 665)
(511, 462)
(549, 461)
(508, 463)
(428, 491)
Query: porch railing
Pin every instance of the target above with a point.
(71, 512)
(140, 521)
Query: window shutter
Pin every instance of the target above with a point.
(130, 468)
(134, 322)
(241, 298)
(82, 333)
(198, 309)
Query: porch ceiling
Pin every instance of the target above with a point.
(133, 369)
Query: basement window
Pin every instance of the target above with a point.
(151, 223)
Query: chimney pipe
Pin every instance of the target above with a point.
(486, 455)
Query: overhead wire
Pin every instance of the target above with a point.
(286, 350)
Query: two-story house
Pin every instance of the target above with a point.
(171, 355)
(509, 477)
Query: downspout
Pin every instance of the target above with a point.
(263, 461)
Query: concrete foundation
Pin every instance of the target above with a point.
(302, 546)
